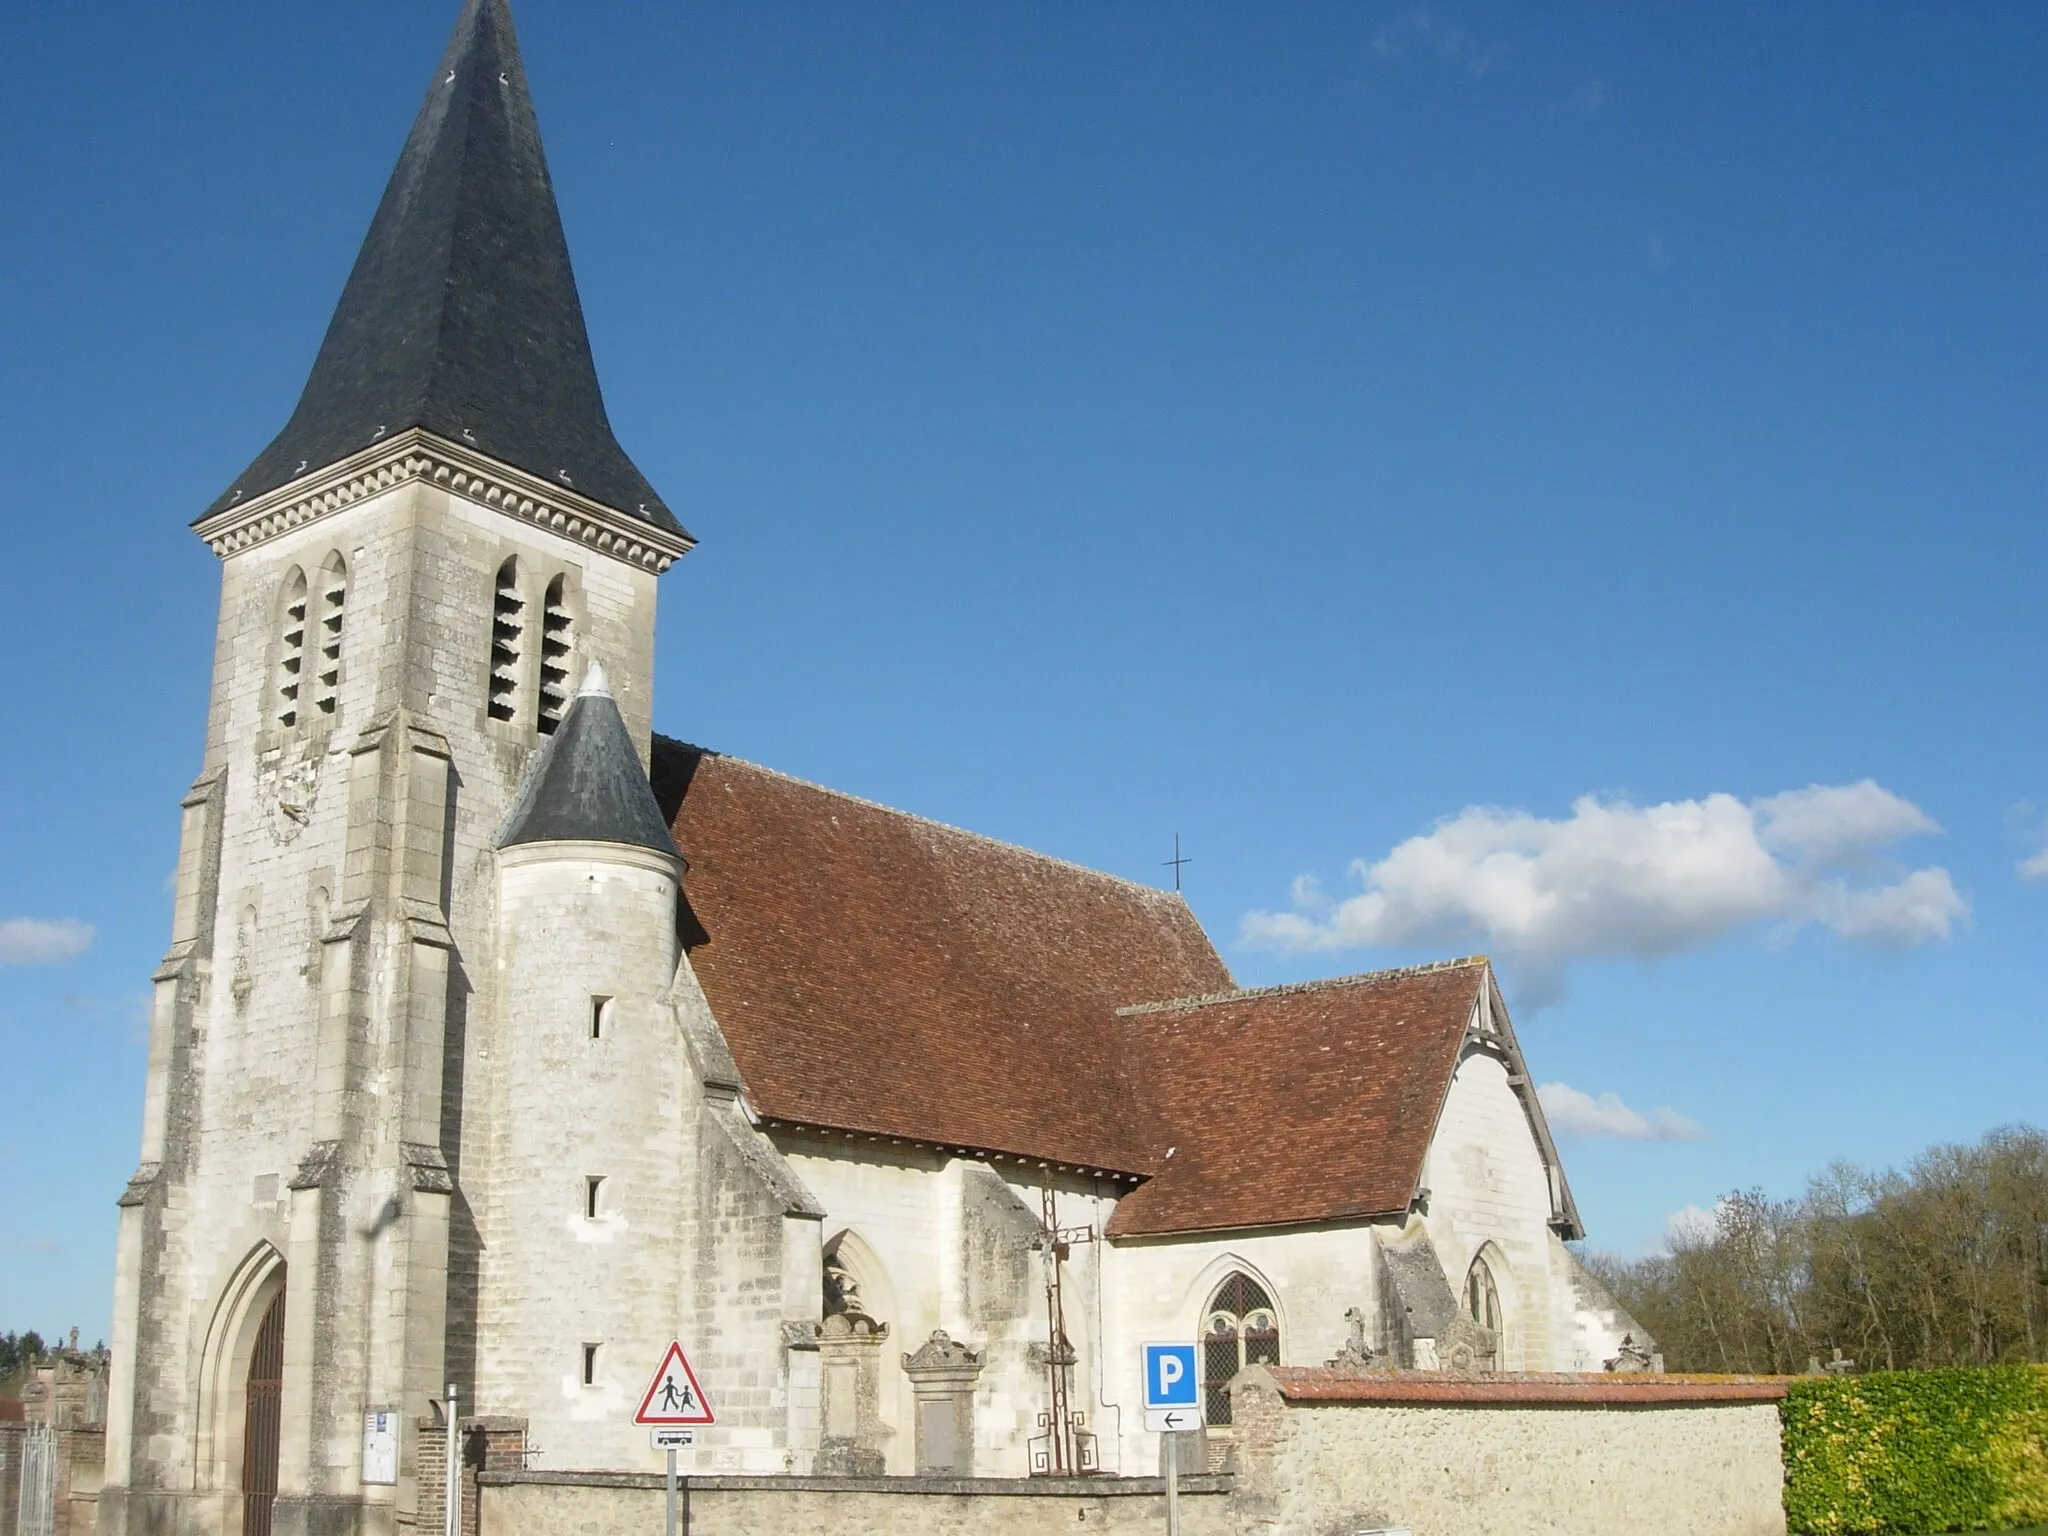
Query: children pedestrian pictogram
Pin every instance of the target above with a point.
(674, 1397)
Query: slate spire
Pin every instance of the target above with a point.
(461, 314)
(585, 784)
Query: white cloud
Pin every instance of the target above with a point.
(2035, 868)
(1581, 1114)
(1427, 34)
(34, 941)
(1836, 823)
(1620, 879)
(1689, 1224)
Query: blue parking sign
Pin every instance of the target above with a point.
(1170, 1380)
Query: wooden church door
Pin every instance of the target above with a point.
(259, 1432)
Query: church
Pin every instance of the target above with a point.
(501, 1040)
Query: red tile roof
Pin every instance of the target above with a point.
(1303, 1103)
(1317, 1384)
(881, 974)
(873, 971)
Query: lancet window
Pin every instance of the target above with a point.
(291, 655)
(1240, 1329)
(327, 667)
(1482, 1305)
(556, 638)
(508, 628)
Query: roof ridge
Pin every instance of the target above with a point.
(1286, 988)
(942, 826)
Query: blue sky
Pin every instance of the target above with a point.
(1492, 462)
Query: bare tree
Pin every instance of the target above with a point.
(1945, 1263)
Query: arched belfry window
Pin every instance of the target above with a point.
(508, 628)
(1240, 1328)
(327, 668)
(1482, 1305)
(556, 639)
(291, 653)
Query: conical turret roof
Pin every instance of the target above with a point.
(461, 314)
(585, 784)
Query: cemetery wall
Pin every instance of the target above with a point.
(1610, 1455)
(1316, 1451)
(616, 1504)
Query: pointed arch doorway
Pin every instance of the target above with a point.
(263, 1408)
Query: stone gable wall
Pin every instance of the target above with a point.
(1487, 1185)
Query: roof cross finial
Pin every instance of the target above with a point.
(1176, 861)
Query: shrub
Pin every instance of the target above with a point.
(1914, 1452)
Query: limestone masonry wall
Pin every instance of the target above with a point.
(541, 1505)
(1609, 1458)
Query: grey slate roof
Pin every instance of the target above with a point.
(461, 314)
(585, 784)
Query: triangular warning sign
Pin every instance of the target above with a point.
(674, 1397)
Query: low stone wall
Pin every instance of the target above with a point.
(1313, 1452)
(631, 1504)
(1320, 1451)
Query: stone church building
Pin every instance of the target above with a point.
(501, 1041)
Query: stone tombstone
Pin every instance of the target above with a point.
(850, 1375)
(942, 1377)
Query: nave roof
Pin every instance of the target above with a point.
(879, 974)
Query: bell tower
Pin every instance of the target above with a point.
(414, 577)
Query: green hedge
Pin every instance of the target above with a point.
(1913, 1452)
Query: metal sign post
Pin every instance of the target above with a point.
(451, 1475)
(670, 1439)
(673, 1406)
(1173, 1407)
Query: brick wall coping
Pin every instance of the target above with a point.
(1016, 1487)
(1316, 1384)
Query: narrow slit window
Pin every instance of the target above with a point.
(590, 1365)
(291, 657)
(556, 639)
(592, 1206)
(600, 1017)
(508, 625)
(333, 598)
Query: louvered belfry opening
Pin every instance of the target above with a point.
(291, 659)
(555, 638)
(508, 625)
(260, 1429)
(333, 595)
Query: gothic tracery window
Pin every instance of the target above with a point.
(291, 656)
(1239, 1329)
(1482, 1305)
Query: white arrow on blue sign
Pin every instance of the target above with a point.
(1173, 1392)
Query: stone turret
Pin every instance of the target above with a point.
(584, 1252)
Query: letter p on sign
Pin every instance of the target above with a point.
(1170, 1376)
